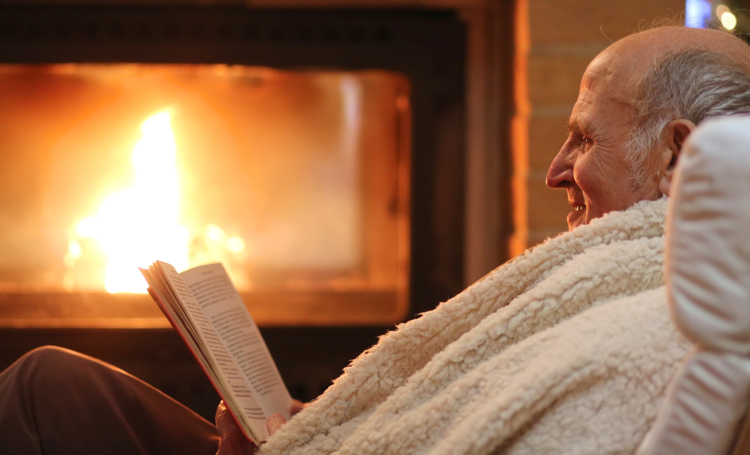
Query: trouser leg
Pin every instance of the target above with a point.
(54, 401)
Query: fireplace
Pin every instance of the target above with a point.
(329, 146)
(296, 180)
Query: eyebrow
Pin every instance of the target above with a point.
(573, 127)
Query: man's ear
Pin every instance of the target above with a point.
(677, 132)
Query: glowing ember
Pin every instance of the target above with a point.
(138, 225)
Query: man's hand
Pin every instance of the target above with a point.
(233, 440)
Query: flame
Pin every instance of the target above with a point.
(140, 224)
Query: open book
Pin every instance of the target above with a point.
(203, 305)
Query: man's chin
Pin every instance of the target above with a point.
(576, 218)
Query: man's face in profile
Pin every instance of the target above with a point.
(592, 165)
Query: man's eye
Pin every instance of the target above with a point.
(586, 140)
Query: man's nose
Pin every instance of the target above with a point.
(560, 173)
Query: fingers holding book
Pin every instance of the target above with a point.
(233, 440)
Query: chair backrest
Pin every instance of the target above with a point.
(707, 271)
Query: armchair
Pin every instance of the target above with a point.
(707, 270)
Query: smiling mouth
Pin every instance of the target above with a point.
(579, 208)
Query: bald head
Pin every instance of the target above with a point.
(628, 59)
(641, 50)
(639, 100)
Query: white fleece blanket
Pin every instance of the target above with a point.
(565, 349)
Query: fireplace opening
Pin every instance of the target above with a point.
(400, 76)
(297, 181)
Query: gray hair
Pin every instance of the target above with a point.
(690, 84)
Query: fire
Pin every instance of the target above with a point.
(136, 226)
(139, 225)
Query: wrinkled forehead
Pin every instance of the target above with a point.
(607, 85)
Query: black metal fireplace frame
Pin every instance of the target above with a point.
(428, 46)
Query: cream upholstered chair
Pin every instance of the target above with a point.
(708, 281)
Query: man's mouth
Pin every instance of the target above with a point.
(576, 217)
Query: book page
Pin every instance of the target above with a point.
(227, 313)
(215, 349)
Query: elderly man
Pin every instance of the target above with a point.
(638, 101)
(565, 349)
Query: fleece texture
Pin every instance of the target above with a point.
(565, 349)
